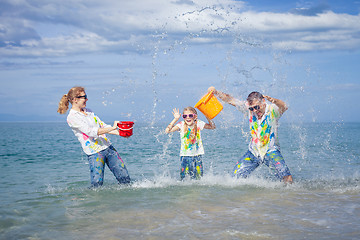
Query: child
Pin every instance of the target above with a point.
(191, 149)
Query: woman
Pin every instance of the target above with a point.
(90, 131)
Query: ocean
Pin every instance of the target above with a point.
(45, 183)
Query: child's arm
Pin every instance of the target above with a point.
(171, 128)
(210, 125)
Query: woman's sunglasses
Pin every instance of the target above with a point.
(190, 116)
(84, 97)
(257, 107)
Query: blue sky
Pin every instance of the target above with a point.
(139, 59)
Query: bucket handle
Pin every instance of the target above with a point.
(124, 129)
(209, 95)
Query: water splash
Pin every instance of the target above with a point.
(249, 64)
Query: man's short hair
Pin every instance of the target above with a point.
(254, 96)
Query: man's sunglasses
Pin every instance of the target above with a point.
(190, 116)
(257, 107)
(84, 97)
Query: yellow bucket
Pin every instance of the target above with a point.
(209, 105)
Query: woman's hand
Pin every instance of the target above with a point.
(115, 126)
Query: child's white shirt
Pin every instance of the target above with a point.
(191, 147)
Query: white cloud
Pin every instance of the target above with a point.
(63, 45)
(344, 86)
(113, 25)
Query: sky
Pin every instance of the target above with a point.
(140, 59)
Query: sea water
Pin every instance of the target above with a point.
(45, 183)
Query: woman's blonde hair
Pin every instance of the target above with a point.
(193, 133)
(69, 97)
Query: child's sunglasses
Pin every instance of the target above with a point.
(190, 116)
(257, 107)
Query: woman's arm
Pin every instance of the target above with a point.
(171, 128)
(111, 130)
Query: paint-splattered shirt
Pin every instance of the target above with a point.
(191, 146)
(264, 137)
(85, 128)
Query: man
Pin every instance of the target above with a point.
(264, 145)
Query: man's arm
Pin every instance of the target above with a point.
(223, 96)
(279, 103)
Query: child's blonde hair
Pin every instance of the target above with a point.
(69, 97)
(193, 133)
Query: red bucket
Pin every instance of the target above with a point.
(126, 128)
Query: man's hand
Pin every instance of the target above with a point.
(281, 104)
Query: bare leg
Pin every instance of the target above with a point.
(288, 179)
